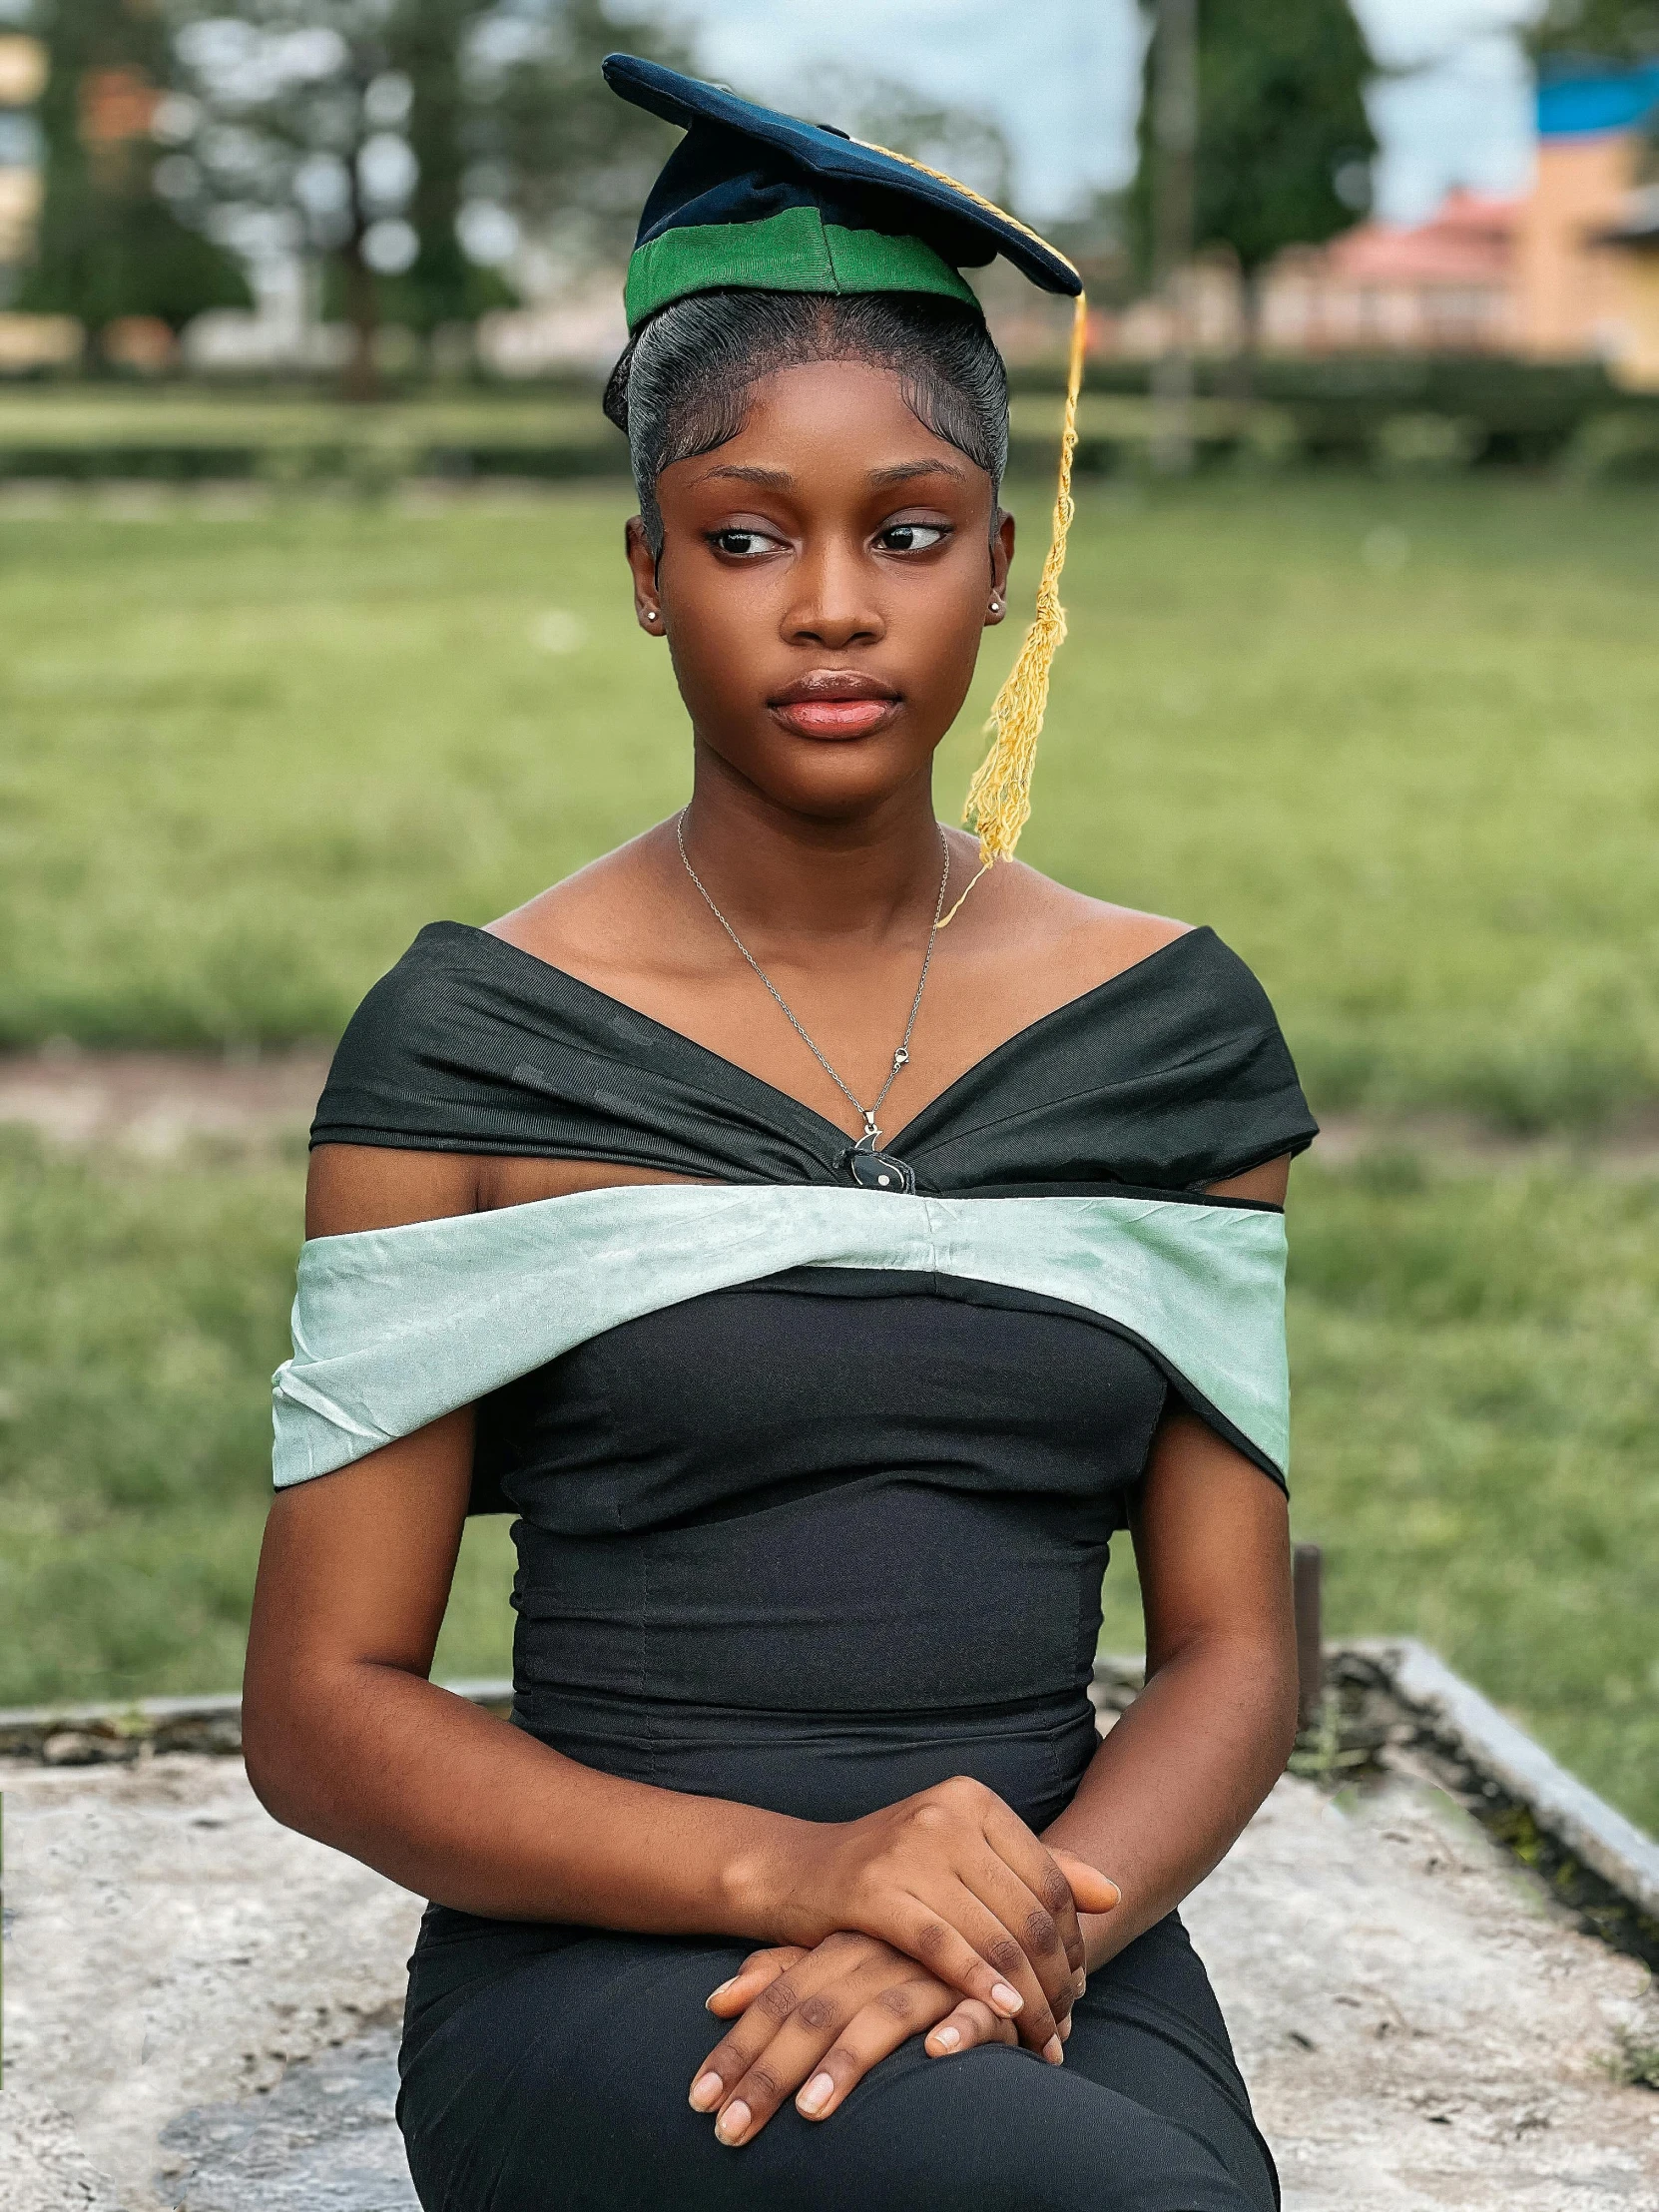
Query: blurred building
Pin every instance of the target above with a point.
(1580, 287)
(1569, 270)
(22, 79)
(1633, 242)
(1446, 286)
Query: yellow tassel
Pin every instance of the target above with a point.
(1000, 797)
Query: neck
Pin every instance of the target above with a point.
(793, 880)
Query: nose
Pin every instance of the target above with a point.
(834, 605)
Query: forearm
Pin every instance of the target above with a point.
(1179, 1777)
(463, 1808)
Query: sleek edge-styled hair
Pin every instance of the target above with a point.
(681, 385)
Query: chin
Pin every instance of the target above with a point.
(830, 779)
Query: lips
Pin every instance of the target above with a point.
(834, 702)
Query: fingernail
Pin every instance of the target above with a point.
(946, 2037)
(1053, 2051)
(705, 2091)
(1005, 1999)
(1082, 1984)
(733, 2121)
(730, 1982)
(816, 2093)
(1065, 2030)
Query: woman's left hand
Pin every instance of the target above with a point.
(816, 2022)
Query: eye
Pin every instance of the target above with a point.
(742, 545)
(912, 537)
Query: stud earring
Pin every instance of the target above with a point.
(996, 606)
(651, 614)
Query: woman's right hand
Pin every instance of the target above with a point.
(955, 1880)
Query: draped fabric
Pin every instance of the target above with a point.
(1170, 1076)
(1068, 1166)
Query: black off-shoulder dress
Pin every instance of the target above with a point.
(815, 1490)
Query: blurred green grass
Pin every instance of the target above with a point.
(1476, 1359)
(1394, 740)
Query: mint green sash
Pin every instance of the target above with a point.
(394, 1326)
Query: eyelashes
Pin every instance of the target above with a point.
(897, 538)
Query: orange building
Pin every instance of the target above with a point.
(1575, 289)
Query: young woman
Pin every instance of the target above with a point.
(822, 1288)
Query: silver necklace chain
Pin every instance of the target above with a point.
(900, 1058)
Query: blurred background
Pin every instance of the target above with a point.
(313, 627)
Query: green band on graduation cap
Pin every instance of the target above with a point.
(795, 250)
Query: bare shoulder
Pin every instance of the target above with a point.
(1081, 942)
(353, 1187)
(582, 921)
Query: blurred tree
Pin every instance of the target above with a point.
(107, 247)
(443, 284)
(1285, 144)
(558, 159)
(1599, 30)
(414, 148)
(295, 140)
(886, 112)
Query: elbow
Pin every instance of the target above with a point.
(1282, 1719)
(276, 1753)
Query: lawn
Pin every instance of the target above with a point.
(1394, 740)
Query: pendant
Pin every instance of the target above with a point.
(877, 1171)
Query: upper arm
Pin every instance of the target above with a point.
(1269, 1183)
(357, 1564)
(1212, 1543)
(349, 1187)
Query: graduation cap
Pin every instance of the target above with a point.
(754, 200)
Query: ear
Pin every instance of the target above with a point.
(648, 604)
(1003, 554)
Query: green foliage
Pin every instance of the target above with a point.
(106, 246)
(1282, 133)
(1599, 30)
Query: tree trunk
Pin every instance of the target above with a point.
(1241, 369)
(363, 316)
(362, 296)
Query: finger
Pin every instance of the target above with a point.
(1033, 1864)
(795, 2052)
(932, 1938)
(1006, 1933)
(740, 1990)
(768, 2009)
(1010, 1970)
(1057, 1965)
(900, 2011)
(1093, 1890)
(969, 2024)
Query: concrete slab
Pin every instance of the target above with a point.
(200, 2008)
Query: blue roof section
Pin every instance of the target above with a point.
(1609, 100)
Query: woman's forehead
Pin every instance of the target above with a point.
(854, 413)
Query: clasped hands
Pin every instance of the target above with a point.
(941, 1916)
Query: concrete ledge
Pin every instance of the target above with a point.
(1452, 1717)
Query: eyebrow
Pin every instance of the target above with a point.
(780, 479)
(902, 471)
